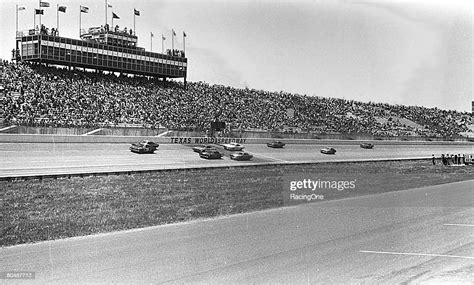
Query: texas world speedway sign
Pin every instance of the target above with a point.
(205, 140)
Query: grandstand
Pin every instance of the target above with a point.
(41, 96)
(49, 84)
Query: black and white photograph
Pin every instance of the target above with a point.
(236, 142)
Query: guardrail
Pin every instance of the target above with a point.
(47, 138)
(128, 131)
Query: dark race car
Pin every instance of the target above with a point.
(241, 156)
(276, 144)
(328, 150)
(210, 154)
(367, 145)
(201, 148)
(144, 147)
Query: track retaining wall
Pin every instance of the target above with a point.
(47, 138)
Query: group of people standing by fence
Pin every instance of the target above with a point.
(453, 159)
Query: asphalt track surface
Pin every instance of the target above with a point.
(422, 235)
(30, 159)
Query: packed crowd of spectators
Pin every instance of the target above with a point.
(36, 95)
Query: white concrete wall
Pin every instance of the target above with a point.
(31, 138)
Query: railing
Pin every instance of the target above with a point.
(262, 134)
(42, 126)
(30, 32)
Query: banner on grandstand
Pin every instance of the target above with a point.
(205, 140)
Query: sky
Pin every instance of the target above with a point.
(398, 52)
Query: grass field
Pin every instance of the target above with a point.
(37, 210)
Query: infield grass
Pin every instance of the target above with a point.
(37, 210)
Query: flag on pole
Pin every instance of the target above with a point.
(62, 9)
(84, 9)
(136, 12)
(152, 35)
(39, 12)
(44, 4)
(184, 34)
(163, 37)
(21, 8)
(114, 16)
(174, 33)
(108, 5)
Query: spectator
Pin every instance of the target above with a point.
(444, 160)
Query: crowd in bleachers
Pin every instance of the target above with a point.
(36, 95)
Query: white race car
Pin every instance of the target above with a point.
(241, 156)
(201, 148)
(233, 146)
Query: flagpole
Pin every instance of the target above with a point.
(162, 43)
(16, 52)
(105, 13)
(39, 14)
(80, 13)
(16, 28)
(39, 38)
(184, 43)
(172, 40)
(151, 42)
(134, 21)
(57, 17)
(34, 20)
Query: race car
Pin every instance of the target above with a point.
(201, 148)
(328, 150)
(276, 144)
(367, 145)
(241, 156)
(144, 147)
(233, 146)
(210, 154)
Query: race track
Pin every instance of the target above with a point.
(30, 159)
(421, 235)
